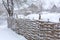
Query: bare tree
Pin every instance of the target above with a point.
(9, 7)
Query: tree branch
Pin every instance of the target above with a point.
(5, 5)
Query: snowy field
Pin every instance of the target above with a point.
(53, 17)
(8, 34)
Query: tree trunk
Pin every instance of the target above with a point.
(10, 21)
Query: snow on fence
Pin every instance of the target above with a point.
(37, 30)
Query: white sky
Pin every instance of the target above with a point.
(51, 2)
(47, 4)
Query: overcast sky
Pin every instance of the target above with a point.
(47, 4)
(52, 2)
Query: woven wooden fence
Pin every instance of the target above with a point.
(37, 30)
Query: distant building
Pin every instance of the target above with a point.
(54, 8)
(33, 8)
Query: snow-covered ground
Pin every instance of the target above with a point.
(8, 34)
(32, 17)
(53, 17)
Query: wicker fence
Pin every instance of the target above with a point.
(37, 30)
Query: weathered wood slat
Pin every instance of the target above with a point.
(38, 30)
